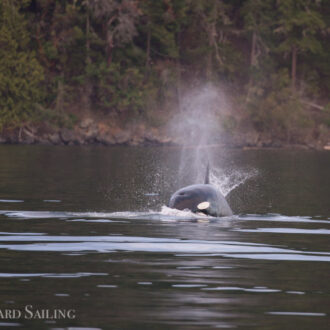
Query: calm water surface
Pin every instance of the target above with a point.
(85, 228)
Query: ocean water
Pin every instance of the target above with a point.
(87, 229)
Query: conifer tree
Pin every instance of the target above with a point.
(20, 72)
(299, 23)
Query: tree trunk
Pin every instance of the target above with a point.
(109, 41)
(294, 68)
(148, 47)
(59, 102)
(87, 89)
(253, 61)
(88, 59)
(208, 71)
(109, 55)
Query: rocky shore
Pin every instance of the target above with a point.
(89, 131)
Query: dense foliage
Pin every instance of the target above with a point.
(134, 58)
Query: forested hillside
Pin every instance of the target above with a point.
(123, 62)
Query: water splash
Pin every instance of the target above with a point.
(227, 181)
(196, 127)
(180, 214)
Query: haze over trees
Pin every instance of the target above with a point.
(132, 59)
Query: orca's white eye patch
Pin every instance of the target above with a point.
(203, 205)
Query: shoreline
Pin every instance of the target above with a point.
(91, 132)
(58, 140)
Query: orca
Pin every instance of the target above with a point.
(201, 198)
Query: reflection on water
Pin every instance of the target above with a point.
(88, 229)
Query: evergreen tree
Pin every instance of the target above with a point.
(298, 24)
(258, 18)
(20, 73)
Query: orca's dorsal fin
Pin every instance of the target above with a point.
(207, 175)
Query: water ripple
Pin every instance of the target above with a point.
(51, 275)
(165, 214)
(296, 313)
(234, 288)
(230, 249)
(286, 231)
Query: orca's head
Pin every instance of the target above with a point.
(190, 198)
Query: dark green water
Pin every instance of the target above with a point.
(85, 228)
